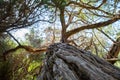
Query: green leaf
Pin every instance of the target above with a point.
(33, 65)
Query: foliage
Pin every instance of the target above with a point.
(19, 13)
(25, 67)
(20, 64)
(5, 66)
(34, 37)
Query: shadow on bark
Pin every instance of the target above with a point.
(66, 62)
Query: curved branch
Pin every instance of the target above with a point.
(92, 26)
(27, 48)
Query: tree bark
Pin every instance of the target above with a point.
(114, 51)
(66, 62)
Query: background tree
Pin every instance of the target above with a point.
(20, 64)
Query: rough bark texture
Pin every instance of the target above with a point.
(65, 62)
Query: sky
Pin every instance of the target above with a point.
(20, 33)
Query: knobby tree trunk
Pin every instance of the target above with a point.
(66, 62)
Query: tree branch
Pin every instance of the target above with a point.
(103, 1)
(113, 59)
(92, 26)
(87, 6)
(106, 35)
(100, 41)
(27, 48)
(13, 37)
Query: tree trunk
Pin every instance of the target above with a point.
(66, 62)
(114, 51)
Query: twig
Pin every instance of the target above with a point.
(99, 41)
(96, 49)
(13, 37)
(106, 35)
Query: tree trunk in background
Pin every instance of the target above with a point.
(114, 51)
(66, 62)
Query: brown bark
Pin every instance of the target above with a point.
(114, 51)
(65, 62)
(62, 20)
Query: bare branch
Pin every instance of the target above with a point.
(27, 48)
(113, 59)
(100, 42)
(92, 26)
(106, 35)
(87, 6)
(13, 37)
(104, 1)
(96, 49)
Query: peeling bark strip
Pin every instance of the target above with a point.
(65, 62)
